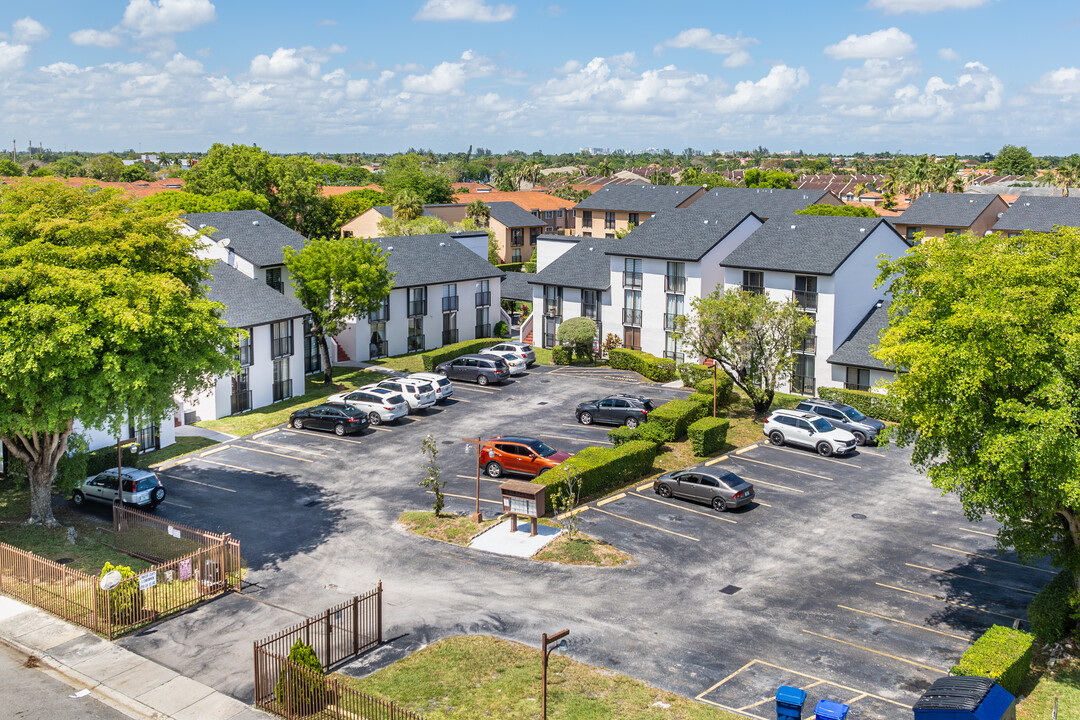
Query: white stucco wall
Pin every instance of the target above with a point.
(855, 292)
(97, 438)
(547, 251)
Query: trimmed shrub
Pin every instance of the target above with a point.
(652, 433)
(432, 358)
(298, 691)
(708, 435)
(501, 329)
(693, 373)
(562, 354)
(1051, 611)
(510, 267)
(601, 468)
(105, 458)
(724, 387)
(654, 368)
(1001, 654)
(674, 417)
(875, 405)
(125, 600)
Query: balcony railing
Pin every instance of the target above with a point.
(241, 402)
(631, 279)
(278, 285)
(380, 316)
(449, 336)
(282, 390)
(631, 316)
(676, 356)
(415, 343)
(483, 298)
(756, 289)
(669, 321)
(246, 355)
(808, 345)
(380, 349)
(417, 308)
(802, 385)
(449, 303)
(806, 299)
(674, 284)
(483, 331)
(856, 386)
(281, 347)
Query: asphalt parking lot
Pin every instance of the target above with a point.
(850, 577)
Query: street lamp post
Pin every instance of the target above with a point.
(477, 515)
(560, 638)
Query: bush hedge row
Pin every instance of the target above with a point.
(510, 267)
(693, 373)
(674, 417)
(654, 368)
(708, 435)
(562, 354)
(432, 358)
(1001, 654)
(876, 405)
(1051, 611)
(104, 458)
(649, 432)
(724, 386)
(602, 469)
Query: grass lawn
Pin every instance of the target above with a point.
(582, 550)
(745, 425)
(402, 363)
(543, 357)
(454, 529)
(1063, 684)
(276, 414)
(480, 677)
(183, 446)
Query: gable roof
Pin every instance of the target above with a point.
(855, 350)
(638, 198)
(247, 301)
(1040, 214)
(811, 244)
(525, 199)
(252, 234)
(684, 234)
(957, 210)
(583, 266)
(434, 259)
(512, 215)
(766, 203)
(515, 286)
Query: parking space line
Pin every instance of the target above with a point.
(746, 449)
(949, 602)
(726, 679)
(731, 709)
(775, 485)
(457, 399)
(471, 498)
(584, 440)
(758, 502)
(573, 512)
(162, 466)
(638, 522)
(646, 486)
(170, 503)
(714, 516)
(818, 457)
(611, 499)
(482, 477)
(478, 390)
(287, 447)
(878, 652)
(264, 433)
(211, 451)
(328, 437)
(720, 459)
(271, 452)
(966, 577)
(236, 467)
(782, 467)
(197, 482)
(584, 427)
(998, 560)
(856, 699)
(902, 622)
(979, 532)
(380, 428)
(744, 708)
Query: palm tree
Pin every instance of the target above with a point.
(1065, 175)
(479, 211)
(603, 168)
(407, 205)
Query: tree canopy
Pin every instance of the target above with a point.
(580, 332)
(226, 200)
(10, 168)
(754, 178)
(105, 167)
(407, 172)
(1013, 160)
(839, 210)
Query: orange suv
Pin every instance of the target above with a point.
(518, 455)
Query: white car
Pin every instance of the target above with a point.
(518, 348)
(443, 387)
(798, 427)
(420, 395)
(516, 363)
(141, 487)
(380, 406)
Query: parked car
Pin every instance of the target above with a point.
(618, 409)
(443, 387)
(380, 407)
(516, 363)
(482, 369)
(809, 430)
(719, 488)
(339, 417)
(520, 455)
(419, 394)
(141, 488)
(865, 429)
(520, 349)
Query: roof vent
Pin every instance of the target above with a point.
(793, 227)
(1000, 214)
(862, 229)
(225, 242)
(255, 223)
(202, 226)
(442, 244)
(590, 249)
(706, 222)
(971, 200)
(390, 247)
(1027, 204)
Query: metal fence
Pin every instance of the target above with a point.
(303, 693)
(155, 540)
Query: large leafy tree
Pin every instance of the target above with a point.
(1066, 175)
(407, 171)
(226, 200)
(750, 335)
(102, 312)
(337, 279)
(988, 331)
(346, 206)
(754, 178)
(1013, 160)
(105, 167)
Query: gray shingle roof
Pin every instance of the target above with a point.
(812, 244)
(681, 234)
(583, 266)
(638, 198)
(1040, 214)
(247, 301)
(252, 234)
(855, 350)
(434, 259)
(958, 210)
(512, 215)
(515, 286)
(764, 202)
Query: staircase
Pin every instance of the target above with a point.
(342, 356)
(528, 339)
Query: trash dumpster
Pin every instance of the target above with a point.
(965, 698)
(829, 710)
(789, 703)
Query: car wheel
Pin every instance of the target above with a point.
(482, 380)
(493, 469)
(718, 504)
(544, 470)
(631, 422)
(158, 495)
(585, 418)
(776, 437)
(663, 490)
(78, 498)
(374, 418)
(298, 423)
(860, 438)
(824, 449)
(339, 429)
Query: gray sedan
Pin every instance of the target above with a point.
(718, 488)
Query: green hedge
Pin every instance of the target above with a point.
(510, 267)
(649, 432)
(1051, 611)
(562, 354)
(654, 368)
(708, 435)
(724, 387)
(602, 469)
(674, 417)
(1001, 654)
(432, 358)
(876, 405)
(693, 373)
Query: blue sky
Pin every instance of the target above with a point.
(938, 76)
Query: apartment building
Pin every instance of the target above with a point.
(557, 213)
(854, 366)
(614, 208)
(1041, 214)
(937, 214)
(573, 279)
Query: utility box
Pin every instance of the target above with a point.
(789, 702)
(965, 698)
(526, 499)
(829, 710)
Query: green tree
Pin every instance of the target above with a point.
(433, 481)
(579, 332)
(10, 168)
(569, 193)
(407, 205)
(224, 201)
(69, 167)
(751, 336)
(337, 279)
(232, 167)
(346, 206)
(1013, 160)
(754, 178)
(985, 329)
(479, 212)
(1066, 175)
(392, 227)
(565, 499)
(839, 210)
(136, 173)
(298, 691)
(102, 307)
(105, 167)
(407, 171)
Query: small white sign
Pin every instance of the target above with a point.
(148, 580)
(169, 575)
(175, 532)
(185, 569)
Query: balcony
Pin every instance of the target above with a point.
(755, 289)
(450, 303)
(631, 316)
(281, 347)
(674, 284)
(380, 349)
(669, 321)
(856, 386)
(449, 336)
(417, 308)
(806, 299)
(483, 299)
(380, 316)
(802, 385)
(241, 402)
(808, 345)
(246, 355)
(282, 390)
(631, 279)
(415, 343)
(676, 356)
(483, 331)
(277, 285)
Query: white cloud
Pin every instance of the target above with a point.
(767, 94)
(469, 10)
(61, 69)
(165, 17)
(739, 58)
(449, 77)
(703, 39)
(871, 84)
(13, 57)
(1063, 81)
(890, 43)
(284, 63)
(96, 38)
(183, 65)
(948, 54)
(895, 7)
(568, 67)
(27, 31)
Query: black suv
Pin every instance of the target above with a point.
(619, 409)
(844, 417)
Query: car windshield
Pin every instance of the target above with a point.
(443, 382)
(542, 449)
(854, 415)
(821, 425)
(145, 484)
(426, 388)
(395, 399)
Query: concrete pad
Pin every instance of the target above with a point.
(216, 706)
(251, 714)
(23, 623)
(51, 634)
(10, 608)
(498, 539)
(108, 663)
(141, 678)
(175, 695)
(80, 649)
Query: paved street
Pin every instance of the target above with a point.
(30, 693)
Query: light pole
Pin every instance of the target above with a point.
(477, 515)
(560, 638)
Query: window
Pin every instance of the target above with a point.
(673, 348)
(548, 229)
(632, 338)
(515, 255)
(282, 380)
(553, 296)
(632, 272)
(912, 231)
(312, 358)
(634, 219)
(806, 292)
(517, 236)
(589, 304)
(674, 309)
(449, 328)
(586, 218)
(417, 301)
(449, 298)
(609, 235)
(483, 324)
(857, 379)
(609, 221)
(415, 341)
(483, 293)
(753, 281)
(560, 212)
(382, 314)
(241, 392)
(802, 380)
(246, 350)
(586, 234)
(378, 346)
(281, 339)
(675, 280)
(548, 214)
(632, 307)
(273, 279)
(534, 233)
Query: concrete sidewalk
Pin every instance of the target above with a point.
(129, 683)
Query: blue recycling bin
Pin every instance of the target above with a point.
(829, 710)
(965, 698)
(789, 703)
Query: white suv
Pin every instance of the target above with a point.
(514, 361)
(522, 350)
(420, 394)
(809, 430)
(443, 387)
(380, 406)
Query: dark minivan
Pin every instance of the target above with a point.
(482, 369)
